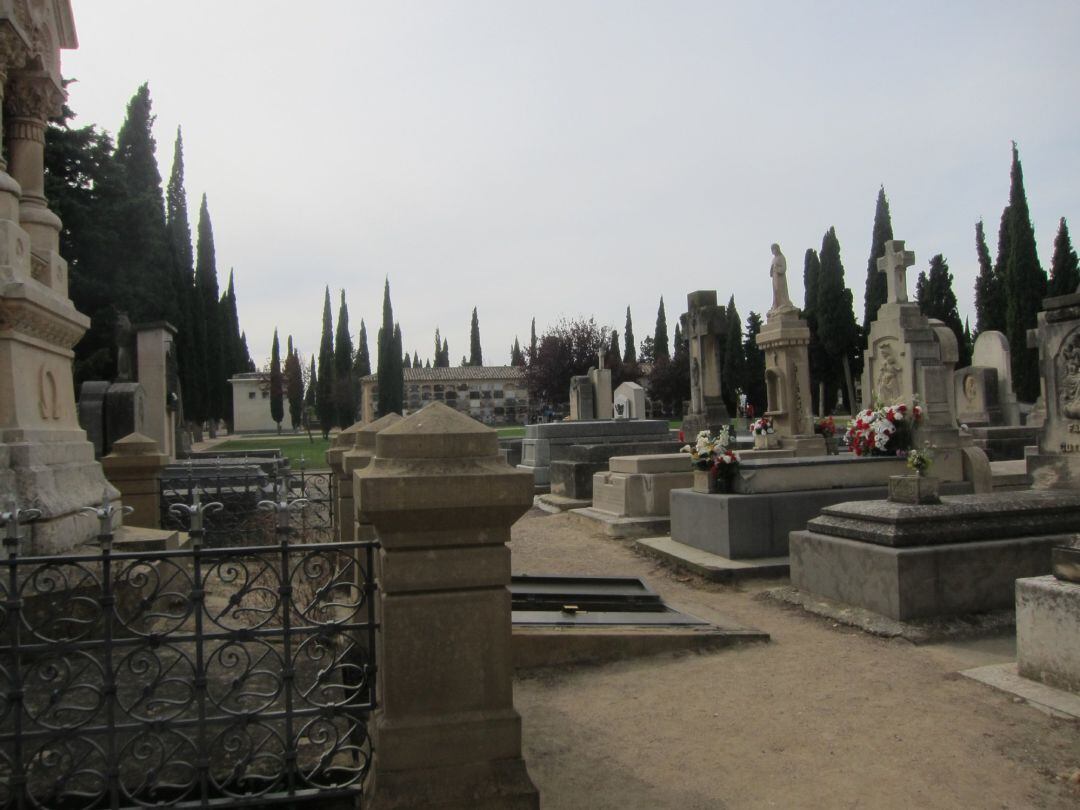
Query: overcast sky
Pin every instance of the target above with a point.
(572, 158)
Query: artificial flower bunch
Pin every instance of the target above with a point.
(919, 461)
(826, 426)
(762, 424)
(712, 450)
(883, 430)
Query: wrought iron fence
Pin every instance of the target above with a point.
(239, 488)
(198, 677)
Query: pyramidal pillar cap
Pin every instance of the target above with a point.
(365, 437)
(436, 431)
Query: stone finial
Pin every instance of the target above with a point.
(894, 264)
(365, 439)
(135, 444)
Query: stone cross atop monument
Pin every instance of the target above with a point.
(894, 265)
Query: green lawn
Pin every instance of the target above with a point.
(292, 447)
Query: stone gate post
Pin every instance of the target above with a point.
(442, 502)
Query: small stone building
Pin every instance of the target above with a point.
(493, 395)
(251, 403)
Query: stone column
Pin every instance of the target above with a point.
(152, 344)
(30, 100)
(442, 502)
(343, 504)
(358, 458)
(134, 467)
(12, 57)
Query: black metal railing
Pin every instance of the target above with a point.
(240, 488)
(193, 677)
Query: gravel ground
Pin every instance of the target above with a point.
(823, 716)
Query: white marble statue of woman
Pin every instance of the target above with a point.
(778, 271)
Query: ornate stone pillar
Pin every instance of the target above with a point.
(30, 99)
(12, 58)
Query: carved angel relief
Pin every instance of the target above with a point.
(887, 387)
(1068, 376)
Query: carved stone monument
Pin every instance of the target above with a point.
(629, 401)
(992, 351)
(703, 325)
(910, 356)
(784, 339)
(46, 461)
(153, 343)
(1057, 463)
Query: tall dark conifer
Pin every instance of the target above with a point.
(143, 265)
(1025, 286)
(325, 406)
(660, 335)
(835, 321)
(277, 384)
(989, 312)
(817, 360)
(936, 299)
(391, 381)
(476, 356)
(294, 386)
(613, 354)
(755, 364)
(344, 382)
(213, 361)
(361, 365)
(876, 287)
(630, 353)
(733, 373)
(187, 349)
(311, 395)
(1064, 271)
(532, 340)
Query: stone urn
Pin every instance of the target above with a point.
(766, 441)
(914, 489)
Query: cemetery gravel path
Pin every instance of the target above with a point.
(823, 716)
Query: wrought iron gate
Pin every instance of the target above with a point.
(197, 677)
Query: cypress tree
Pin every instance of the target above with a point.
(755, 364)
(406, 361)
(206, 282)
(325, 406)
(660, 335)
(613, 356)
(277, 410)
(517, 358)
(476, 357)
(1025, 286)
(816, 355)
(294, 386)
(143, 267)
(733, 373)
(1064, 272)
(876, 284)
(391, 381)
(934, 293)
(361, 365)
(310, 394)
(532, 340)
(630, 354)
(989, 312)
(235, 359)
(344, 383)
(445, 354)
(249, 364)
(178, 229)
(415, 359)
(836, 325)
(438, 349)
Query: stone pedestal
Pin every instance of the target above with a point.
(703, 328)
(153, 343)
(1048, 631)
(914, 489)
(446, 734)
(342, 443)
(45, 460)
(911, 562)
(352, 459)
(784, 339)
(134, 467)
